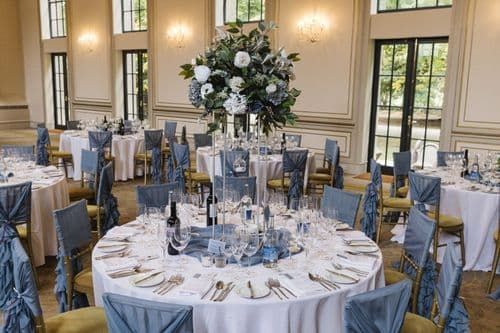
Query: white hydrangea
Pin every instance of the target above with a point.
(202, 73)
(242, 59)
(236, 104)
(271, 88)
(235, 83)
(206, 89)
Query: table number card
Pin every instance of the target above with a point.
(216, 247)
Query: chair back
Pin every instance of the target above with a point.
(181, 156)
(23, 309)
(72, 124)
(100, 140)
(331, 151)
(89, 162)
(441, 156)
(379, 310)
(418, 236)
(72, 227)
(294, 163)
(19, 150)
(402, 163)
(294, 137)
(126, 314)
(155, 195)
(449, 281)
(202, 140)
(345, 203)
(170, 130)
(236, 184)
(153, 139)
(105, 184)
(425, 190)
(375, 173)
(231, 157)
(15, 203)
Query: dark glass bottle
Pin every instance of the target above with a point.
(184, 140)
(105, 124)
(283, 142)
(121, 128)
(465, 171)
(211, 208)
(173, 222)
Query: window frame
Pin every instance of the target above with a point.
(262, 13)
(383, 11)
(56, 75)
(145, 10)
(63, 19)
(140, 110)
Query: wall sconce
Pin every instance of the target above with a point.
(178, 34)
(311, 28)
(88, 40)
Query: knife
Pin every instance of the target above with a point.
(148, 277)
(219, 298)
(249, 284)
(227, 293)
(206, 293)
(343, 275)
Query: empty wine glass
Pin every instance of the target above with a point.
(251, 238)
(181, 238)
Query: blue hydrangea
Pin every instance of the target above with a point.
(280, 95)
(195, 93)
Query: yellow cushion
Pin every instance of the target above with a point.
(496, 235)
(397, 202)
(85, 320)
(78, 193)
(62, 154)
(320, 177)
(200, 177)
(402, 192)
(83, 280)
(416, 324)
(392, 276)
(22, 230)
(446, 221)
(276, 183)
(323, 170)
(92, 211)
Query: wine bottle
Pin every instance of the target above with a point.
(211, 208)
(121, 128)
(465, 169)
(283, 143)
(105, 124)
(173, 222)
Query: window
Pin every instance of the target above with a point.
(57, 18)
(397, 5)
(60, 89)
(135, 72)
(408, 94)
(134, 15)
(244, 10)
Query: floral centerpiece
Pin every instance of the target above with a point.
(240, 74)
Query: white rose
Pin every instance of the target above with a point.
(202, 73)
(242, 59)
(235, 83)
(271, 88)
(206, 89)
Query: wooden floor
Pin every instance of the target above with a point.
(484, 313)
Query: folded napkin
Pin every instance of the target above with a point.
(119, 264)
(195, 286)
(364, 263)
(120, 233)
(301, 285)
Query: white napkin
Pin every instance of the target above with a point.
(195, 286)
(364, 263)
(117, 264)
(120, 233)
(301, 285)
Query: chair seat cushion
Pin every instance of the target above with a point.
(392, 202)
(85, 320)
(200, 177)
(496, 235)
(78, 193)
(83, 280)
(323, 170)
(276, 183)
(92, 211)
(402, 192)
(62, 154)
(22, 230)
(320, 177)
(392, 276)
(416, 324)
(447, 222)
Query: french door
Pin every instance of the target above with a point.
(135, 84)
(60, 89)
(407, 99)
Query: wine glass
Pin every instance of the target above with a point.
(252, 241)
(182, 236)
(163, 240)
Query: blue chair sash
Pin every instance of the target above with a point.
(100, 140)
(424, 190)
(152, 141)
(427, 286)
(60, 289)
(458, 319)
(155, 195)
(339, 177)
(170, 129)
(181, 156)
(369, 220)
(106, 199)
(295, 163)
(90, 160)
(42, 141)
(170, 168)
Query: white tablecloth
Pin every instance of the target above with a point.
(316, 311)
(48, 194)
(123, 149)
(271, 166)
(480, 212)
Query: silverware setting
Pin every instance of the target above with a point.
(225, 292)
(174, 281)
(212, 284)
(356, 253)
(128, 272)
(147, 277)
(113, 255)
(353, 279)
(275, 284)
(221, 291)
(355, 270)
(327, 284)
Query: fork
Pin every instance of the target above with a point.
(349, 268)
(356, 253)
(113, 255)
(278, 284)
(172, 282)
(271, 283)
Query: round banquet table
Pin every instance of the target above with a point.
(123, 150)
(314, 310)
(478, 208)
(49, 192)
(270, 168)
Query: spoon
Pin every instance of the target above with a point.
(218, 286)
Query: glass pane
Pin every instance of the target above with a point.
(398, 90)
(418, 124)
(384, 90)
(417, 147)
(426, 3)
(403, 4)
(400, 56)
(395, 119)
(440, 59)
(424, 59)
(255, 10)
(445, 2)
(127, 5)
(430, 153)
(242, 10)
(421, 91)
(387, 4)
(386, 59)
(127, 21)
(434, 124)
(379, 151)
(392, 147)
(437, 92)
(382, 121)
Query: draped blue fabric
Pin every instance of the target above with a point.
(42, 142)
(18, 150)
(339, 174)
(236, 184)
(100, 141)
(88, 166)
(202, 140)
(170, 129)
(345, 203)
(130, 315)
(418, 238)
(152, 141)
(181, 157)
(294, 162)
(170, 168)
(441, 156)
(370, 201)
(295, 137)
(331, 151)
(107, 200)
(73, 231)
(424, 190)
(451, 307)
(379, 310)
(72, 124)
(15, 207)
(231, 157)
(154, 195)
(402, 163)
(23, 305)
(128, 124)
